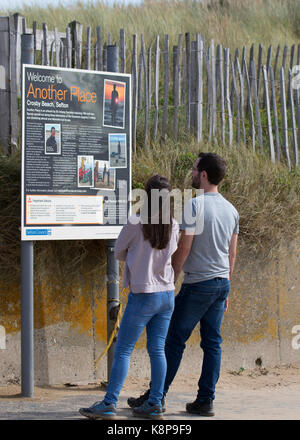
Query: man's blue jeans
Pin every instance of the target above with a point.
(204, 302)
(153, 311)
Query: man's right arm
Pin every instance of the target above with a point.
(232, 253)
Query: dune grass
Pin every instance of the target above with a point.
(232, 23)
(267, 196)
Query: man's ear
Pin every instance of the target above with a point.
(203, 174)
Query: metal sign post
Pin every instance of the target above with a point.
(27, 338)
(112, 264)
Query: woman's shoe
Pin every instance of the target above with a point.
(100, 410)
(148, 411)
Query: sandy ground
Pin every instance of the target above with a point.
(258, 379)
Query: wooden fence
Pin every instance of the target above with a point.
(193, 88)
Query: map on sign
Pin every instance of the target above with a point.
(76, 153)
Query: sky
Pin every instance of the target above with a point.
(14, 4)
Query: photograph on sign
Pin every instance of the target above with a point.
(52, 139)
(117, 150)
(114, 104)
(104, 176)
(85, 171)
(76, 171)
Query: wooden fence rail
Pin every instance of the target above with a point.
(192, 88)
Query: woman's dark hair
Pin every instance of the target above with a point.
(158, 233)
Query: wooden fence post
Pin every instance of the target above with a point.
(271, 142)
(284, 118)
(123, 50)
(166, 87)
(176, 87)
(4, 85)
(226, 91)
(188, 81)
(275, 116)
(76, 33)
(256, 104)
(249, 104)
(220, 81)
(134, 91)
(238, 118)
(87, 54)
(199, 91)
(156, 81)
(292, 110)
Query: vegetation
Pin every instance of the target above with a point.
(267, 196)
(233, 23)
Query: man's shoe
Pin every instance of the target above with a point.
(148, 411)
(99, 410)
(205, 408)
(135, 402)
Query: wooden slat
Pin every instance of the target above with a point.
(123, 50)
(213, 90)
(134, 90)
(140, 76)
(276, 60)
(259, 64)
(220, 81)
(275, 115)
(257, 109)
(52, 53)
(176, 82)
(87, 49)
(57, 47)
(227, 97)
(237, 100)
(249, 106)
(199, 90)
(166, 88)
(149, 73)
(242, 100)
(193, 104)
(69, 47)
(5, 85)
(188, 82)
(284, 56)
(269, 120)
(156, 82)
(183, 77)
(292, 111)
(284, 118)
(146, 104)
(45, 61)
(34, 41)
(99, 60)
(13, 86)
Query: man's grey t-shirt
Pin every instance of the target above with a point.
(209, 255)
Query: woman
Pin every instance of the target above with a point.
(146, 249)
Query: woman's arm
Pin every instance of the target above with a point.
(123, 242)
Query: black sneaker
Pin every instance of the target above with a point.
(205, 408)
(136, 402)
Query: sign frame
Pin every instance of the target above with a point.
(74, 231)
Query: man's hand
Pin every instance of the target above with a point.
(182, 252)
(226, 304)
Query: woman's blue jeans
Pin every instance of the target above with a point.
(153, 311)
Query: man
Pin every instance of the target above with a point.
(207, 259)
(51, 144)
(114, 103)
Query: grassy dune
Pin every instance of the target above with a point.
(233, 23)
(266, 196)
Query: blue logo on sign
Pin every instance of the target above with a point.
(38, 232)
